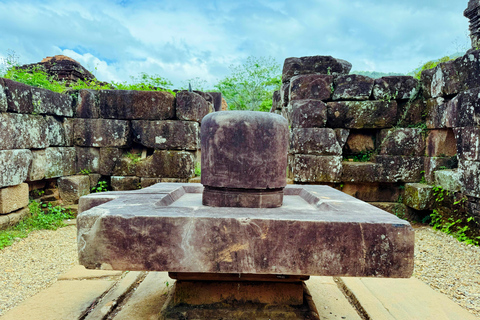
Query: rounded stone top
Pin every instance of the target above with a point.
(244, 150)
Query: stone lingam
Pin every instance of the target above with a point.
(242, 245)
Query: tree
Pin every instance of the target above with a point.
(250, 86)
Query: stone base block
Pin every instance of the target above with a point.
(317, 231)
(242, 198)
(210, 292)
(13, 198)
(73, 187)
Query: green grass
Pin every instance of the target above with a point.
(52, 219)
(37, 77)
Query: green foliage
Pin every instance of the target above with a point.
(459, 226)
(430, 65)
(101, 186)
(135, 157)
(422, 179)
(145, 82)
(51, 219)
(250, 86)
(85, 171)
(362, 157)
(198, 169)
(37, 77)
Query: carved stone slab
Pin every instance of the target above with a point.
(317, 231)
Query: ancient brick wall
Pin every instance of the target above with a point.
(387, 140)
(131, 139)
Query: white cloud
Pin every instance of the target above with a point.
(185, 39)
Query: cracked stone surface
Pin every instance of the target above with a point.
(318, 231)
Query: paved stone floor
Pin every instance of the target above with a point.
(95, 294)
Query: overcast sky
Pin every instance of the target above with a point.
(184, 39)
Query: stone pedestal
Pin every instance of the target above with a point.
(244, 159)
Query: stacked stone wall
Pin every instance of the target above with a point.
(58, 146)
(383, 140)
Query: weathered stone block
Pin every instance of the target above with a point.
(109, 157)
(469, 177)
(167, 164)
(284, 92)
(316, 141)
(217, 100)
(445, 80)
(400, 168)
(191, 106)
(402, 142)
(13, 198)
(411, 112)
(439, 113)
(121, 183)
(55, 132)
(314, 64)
(276, 101)
(19, 97)
(398, 209)
(73, 187)
(418, 196)
(52, 103)
(441, 143)
(433, 164)
(395, 88)
(22, 131)
(311, 86)
(102, 133)
(125, 167)
(181, 135)
(246, 150)
(373, 191)
(147, 182)
(14, 166)
(360, 142)
(307, 114)
(87, 159)
(361, 114)
(360, 171)
(454, 76)
(86, 104)
(342, 136)
(68, 124)
(130, 105)
(60, 162)
(36, 170)
(353, 87)
(13, 218)
(310, 168)
(448, 179)
(3, 96)
(94, 179)
(468, 143)
(464, 109)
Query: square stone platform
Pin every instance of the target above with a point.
(317, 231)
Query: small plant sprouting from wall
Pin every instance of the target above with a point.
(458, 223)
(101, 186)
